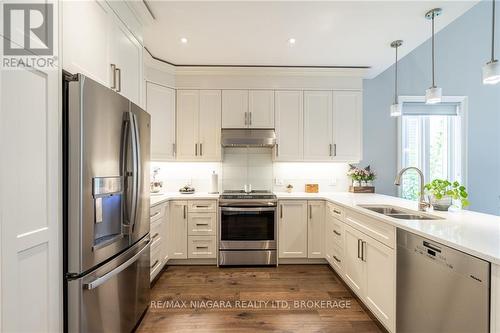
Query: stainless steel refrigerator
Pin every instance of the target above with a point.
(106, 142)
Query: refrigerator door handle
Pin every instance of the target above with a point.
(129, 140)
(102, 279)
(137, 171)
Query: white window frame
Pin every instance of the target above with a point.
(462, 112)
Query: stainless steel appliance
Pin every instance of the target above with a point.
(440, 289)
(248, 137)
(106, 141)
(247, 228)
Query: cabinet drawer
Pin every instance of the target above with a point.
(335, 211)
(337, 260)
(201, 247)
(200, 224)
(335, 232)
(155, 232)
(156, 213)
(155, 262)
(200, 206)
(374, 228)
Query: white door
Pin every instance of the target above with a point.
(354, 267)
(380, 295)
(188, 103)
(234, 108)
(347, 126)
(30, 197)
(289, 115)
(126, 52)
(85, 45)
(318, 137)
(316, 229)
(178, 229)
(160, 104)
(292, 229)
(261, 108)
(209, 125)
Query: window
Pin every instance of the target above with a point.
(431, 139)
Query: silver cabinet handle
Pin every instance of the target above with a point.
(185, 213)
(330, 149)
(100, 280)
(336, 259)
(195, 149)
(154, 236)
(119, 71)
(338, 212)
(199, 206)
(250, 118)
(336, 232)
(363, 251)
(201, 223)
(246, 118)
(334, 149)
(113, 72)
(154, 215)
(202, 247)
(201, 149)
(359, 248)
(174, 149)
(277, 150)
(154, 264)
(281, 211)
(310, 212)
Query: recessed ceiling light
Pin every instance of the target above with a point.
(291, 41)
(184, 40)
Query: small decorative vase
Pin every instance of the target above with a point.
(356, 183)
(441, 204)
(289, 189)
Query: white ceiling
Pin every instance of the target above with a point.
(335, 33)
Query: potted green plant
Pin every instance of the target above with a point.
(442, 193)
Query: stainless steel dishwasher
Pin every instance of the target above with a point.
(440, 289)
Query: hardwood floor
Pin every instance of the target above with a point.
(211, 299)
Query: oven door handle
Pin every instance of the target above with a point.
(248, 209)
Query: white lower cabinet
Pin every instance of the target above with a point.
(292, 242)
(158, 216)
(178, 229)
(315, 229)
(201, 247)
(369, 268)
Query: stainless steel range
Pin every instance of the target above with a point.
(247, 228)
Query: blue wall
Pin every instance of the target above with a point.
(462, 48)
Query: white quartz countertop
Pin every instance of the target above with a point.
(471, 232)
(156, 199)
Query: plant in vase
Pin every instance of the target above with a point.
(442, 192)
(361, 177)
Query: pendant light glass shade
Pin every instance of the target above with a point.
(491, 71)
(433, 95)
(396, 107)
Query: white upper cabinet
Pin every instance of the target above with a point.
(104, 49)
(347, 125)
(209, 125)
(247, 109)
(234, 108)
(292, 229)
(85, 45)
(125, 53)
(261, 109)
(160, 104)
(289, 121)
(318, 117)
(188, 102)
(198, 125)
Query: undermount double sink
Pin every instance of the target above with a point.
(399, 213)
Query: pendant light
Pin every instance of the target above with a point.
(396, 107)
(491, 71)
(433, 94)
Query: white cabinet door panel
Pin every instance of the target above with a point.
(354, 268)
(289, 115)
(293, 229)
(261, 108)
(178, 229)
(234, 108)
(347, 125)
(160, 104)
(209, 125)
(187, 124)
(316, 229)
(318, 125)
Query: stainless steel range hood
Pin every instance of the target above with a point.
(248, 138)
